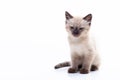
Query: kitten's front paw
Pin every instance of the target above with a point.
(94, 68)
(71, 70)
(84, 71)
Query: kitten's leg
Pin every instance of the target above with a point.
(96, 63)
(75, 61)
(87, 62)
(74, 67)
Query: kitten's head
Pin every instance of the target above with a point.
(77, 26)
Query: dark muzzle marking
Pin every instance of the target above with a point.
(76, 32)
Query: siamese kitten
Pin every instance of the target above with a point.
(84, 56)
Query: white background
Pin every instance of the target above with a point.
(33, 38)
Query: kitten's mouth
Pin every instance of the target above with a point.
(76, 35)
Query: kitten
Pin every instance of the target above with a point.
(84, 56)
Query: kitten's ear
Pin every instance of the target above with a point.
(88, 17)
(68, 15)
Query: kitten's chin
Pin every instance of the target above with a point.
(75, 36)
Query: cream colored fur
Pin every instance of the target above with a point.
(82, 45)
(83, 49)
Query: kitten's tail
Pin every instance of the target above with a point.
(63, 64)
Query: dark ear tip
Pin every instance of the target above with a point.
(90, 14)
(66, 12)
(88, 17)
(68, 15)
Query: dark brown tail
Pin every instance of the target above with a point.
(64, 64)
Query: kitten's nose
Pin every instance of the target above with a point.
(76, 32)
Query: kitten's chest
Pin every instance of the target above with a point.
(78, 48)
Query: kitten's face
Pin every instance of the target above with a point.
(76, 26)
